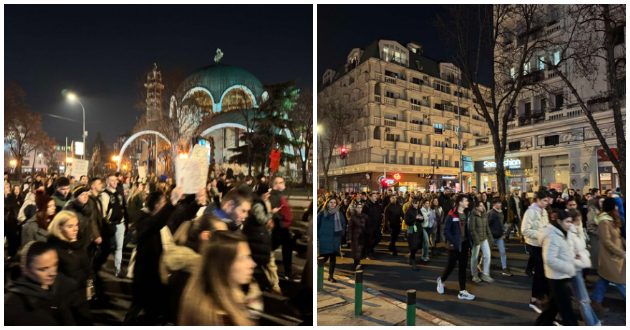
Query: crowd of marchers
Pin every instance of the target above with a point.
(198, 259)
(567, 235)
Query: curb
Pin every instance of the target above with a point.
(419, 313)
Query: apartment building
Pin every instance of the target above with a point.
(408, 111)
(550, 142)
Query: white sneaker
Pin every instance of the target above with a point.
(465, 295)
(476, 279)
(440, 286)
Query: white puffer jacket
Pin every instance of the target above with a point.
(534, 219)
(558, 256)
(579, 247)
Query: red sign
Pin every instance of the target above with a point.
(397, 176)
(275, 160)
(602, 156)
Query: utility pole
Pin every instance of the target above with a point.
(459, 136)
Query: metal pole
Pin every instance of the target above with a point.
(84, 146)
(459, 135)
(65, 169)
(358, 292)
(411, 308)
(320, 274)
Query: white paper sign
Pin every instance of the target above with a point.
(200, 152)
(68, 171)
(191, 174)
(80, 167)
(142, 172)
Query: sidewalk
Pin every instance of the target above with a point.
(335, 306)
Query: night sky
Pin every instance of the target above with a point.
(99, 51)
(340, 28)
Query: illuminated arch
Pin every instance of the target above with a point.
(199, 93)
(132, 138)
(241, 87)
(224, 125)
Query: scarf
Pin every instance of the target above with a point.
(336, 220)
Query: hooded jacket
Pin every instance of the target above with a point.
(534, 219)
(453, 231)
(26, 303)
(60, 201)
(32, 232)
(558, 255)
(28, 207)
(579, 247)
(73, 259)
(479, 228)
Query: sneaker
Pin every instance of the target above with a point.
(440, 286)
(465, 295)
(276, 289)
(414, 266)
(476, 279)
(597, 307)
(486, 278)
(536, 306)
(425, 259)
(506, 272)
(344, 245)
(357, 268)
(332, 279)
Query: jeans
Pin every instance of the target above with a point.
(117, 241)
(600, 289)
(425, 243)
(501, 245)
(474, 258)
(581, 295)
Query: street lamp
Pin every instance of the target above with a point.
(183, 156)
(73, 97)
(115, 158)
(69, 160)
(13, 162)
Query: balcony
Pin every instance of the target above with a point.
(390, 80)
(402, 103)
(376, 76)
(387, 144)
(390, 101)
(415, 107)
(414, 87)
(377, 98)
(533, 77)
(377, 121)
(390, 122)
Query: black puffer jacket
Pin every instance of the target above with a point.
(258, 237)
(393, 214)
(26, 303)
(374, 212)
(73, 259)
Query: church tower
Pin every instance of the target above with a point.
(154, 94)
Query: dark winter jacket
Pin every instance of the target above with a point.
(84, 214)
(255, 229)
(185, 210)
(26, 303)
(415, 238)
(328, 239)
(479, 229)
(453, 231)
(358, 232)
(495, 222)
(445, 202)
(393, 214)
(134, 206)
(73, 259)
(147, 286)
(375, 214)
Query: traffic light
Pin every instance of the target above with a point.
(343, 152)
(384, 184)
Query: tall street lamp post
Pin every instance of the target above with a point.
(73, 97)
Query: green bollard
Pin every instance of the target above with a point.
(358, 292)
(411, 308)
(320, 274)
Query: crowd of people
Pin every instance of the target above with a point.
(198, 259)
(567, 236)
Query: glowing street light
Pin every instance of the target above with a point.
(183, 156)
(73, 97)
(124, 167)
(115, 158)
(13, 162)
(69, 160)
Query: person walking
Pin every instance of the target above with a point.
(282, 221)
(36, 228)
(42, 295)
(558, 258)
(458, 243)
(439, 228)
(61, 194)
(592, 228)
(413, 221)
(612, 255)
(330, 226)
(114, 211)
(358, 232)
(535, 218)
(515, 214)
(481, 237)
(428, 224)
(393, 215)
(582, 261)
(71, 250)
(495, 222)
(373, 210)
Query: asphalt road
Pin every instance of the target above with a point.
(504, 302)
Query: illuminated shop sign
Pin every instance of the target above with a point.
(514, 163)
(508, 163)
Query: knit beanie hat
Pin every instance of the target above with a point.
(609, 204)
(79, 190)
(41, 200)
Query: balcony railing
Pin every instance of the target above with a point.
(390, 101)
(390, 80)
(415, 107)
(377, 98)
(390, 122)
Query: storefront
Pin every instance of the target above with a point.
(439, 182)
(518, 174)
(555, 172)
(608, 176)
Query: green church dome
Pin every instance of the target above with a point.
(217, 79)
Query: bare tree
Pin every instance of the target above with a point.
(333, 121)
(23, 130)
(483, 36)
(300, 125)
(592, 45)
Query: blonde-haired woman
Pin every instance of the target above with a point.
(222, 291)
(72, 251)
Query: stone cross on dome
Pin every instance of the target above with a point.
(219, 56)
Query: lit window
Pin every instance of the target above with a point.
(541, 61)
(556, 57)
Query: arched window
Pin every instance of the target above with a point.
(203, 100)
(237, 99)
(377, 133)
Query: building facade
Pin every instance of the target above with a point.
(408, 111)
(550, 142)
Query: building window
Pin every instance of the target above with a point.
(552, 140)
(393, 137)
(439, 162)
(414, 101)
(377, 133)
(442, 87)
(411, 161)
(436, 125)
(457, 163)
(543, 105)
(389, 94)
(528, 108)
(413, 141)
(393, 161)
(556, 57)
(513, 73)
(513, 146)
(416, 81)
(541, 62)
(446, 163)
(402, 159)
